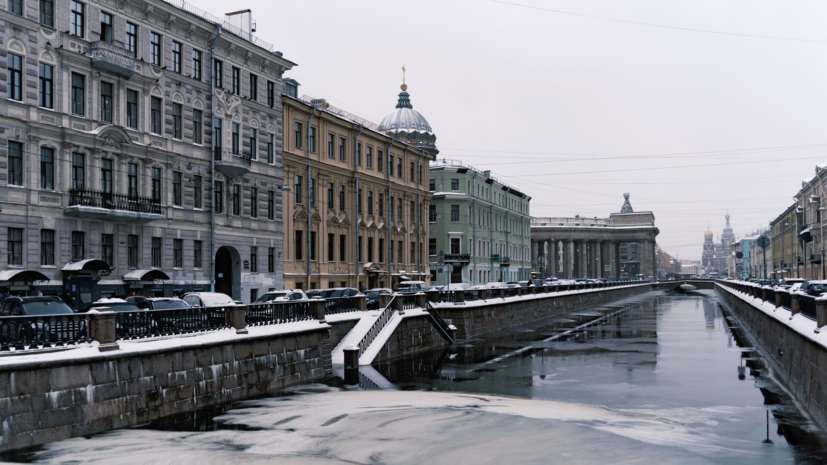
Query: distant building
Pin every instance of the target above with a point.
(715, 255)
(691, 270)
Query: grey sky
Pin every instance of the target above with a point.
(533, 95)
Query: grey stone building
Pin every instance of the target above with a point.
(139, 139)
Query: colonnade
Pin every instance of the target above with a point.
(587, 258)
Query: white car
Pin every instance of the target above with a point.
(494, 285)
(208, 299)
(282, 296)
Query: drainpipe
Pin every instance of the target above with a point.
(389, 161)
(309, 198)
(419, 215)
(212, 159)
(356, 205)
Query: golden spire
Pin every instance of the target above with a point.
(404, 86)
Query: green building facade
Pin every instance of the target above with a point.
(480, 228)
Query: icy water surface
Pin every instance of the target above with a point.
(666, 379)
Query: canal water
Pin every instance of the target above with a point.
(662, 378)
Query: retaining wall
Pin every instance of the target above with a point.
(47, 401)
(796, 360)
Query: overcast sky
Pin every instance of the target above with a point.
(575, 110)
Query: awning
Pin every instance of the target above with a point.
(22, 276)
(90, 264)
(145, 275)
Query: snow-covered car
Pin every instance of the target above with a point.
(208, 299)
(494, 285)
(282, 296)
(411, 287)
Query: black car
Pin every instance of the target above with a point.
(372, 300)
(180, 317)
(131, 321)
(814, 288)
(50, 321)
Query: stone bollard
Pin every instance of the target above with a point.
(351, 354)
(237, 318)
(764, 294)
(568, 287)
(398, 304)
(821, 313)
(778, 298)
(795, 304)
(422, 300)
(501, 292)
(519, 291)
(452, 332)
(459, 297)
(102, 324)
(361, 303)
(317, 308)
(384, 300)
(433, 296)
(532, 290)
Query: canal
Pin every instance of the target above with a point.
(661, 378)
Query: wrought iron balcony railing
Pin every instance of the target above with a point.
(98, 199)
(112, 58)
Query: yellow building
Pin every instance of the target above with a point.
(365, 179)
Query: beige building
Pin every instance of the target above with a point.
(367, 181)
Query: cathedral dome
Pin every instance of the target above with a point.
(409, 125)
(708, 235)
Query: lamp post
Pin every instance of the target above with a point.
(784, 226)
(823, 267)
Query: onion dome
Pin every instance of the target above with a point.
(408, 125)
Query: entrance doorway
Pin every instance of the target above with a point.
(227, 272)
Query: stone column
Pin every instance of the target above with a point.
(599, 259)
(548, 252)
(566, 257)
(584, 259)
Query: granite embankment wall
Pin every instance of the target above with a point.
(795, 358)
(48, 400)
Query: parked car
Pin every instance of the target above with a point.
(314, 294)
(814, 288)
(208, 299)
(134, 299)
(439, 288)
(175, 321)
(336, 292)
(790, 283)
(40, 331)
(525, 283)
(132, 324)
(494, 285)
(282, 296)
(372, 300)
(411, 287)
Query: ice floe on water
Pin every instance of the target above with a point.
(405, 427)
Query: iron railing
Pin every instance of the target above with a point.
(807, 306)
(243, 158)
(786, 300)
(376, 328)
(342, 305)
(408, 301)
(151, 323)
(36, 332)
(441, 324)
(273, 313)
(108, 200)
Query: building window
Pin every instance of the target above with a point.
(413, 252)
(413, 170)
(15, 246)
(155, 116)
(454, 213)
(381, 205)
(455, 245)
(298, 187)
(370, 202)
(331, 240)
(177, 253)
(235, 139)
(299, 244)
(399, 208)
(218, 73)
(197, 254)
(47, 13)
(106, 102)
(253, 87)
(381, 250)
(312, 194)
(236, 83)
(176, 188)
(235, 199)
(15, 7)
(217, 137)
(432, 213)
(47, 247)
(271, 146)
(132, 109)
(313, 245)
(413, 217)
(399, 167)
(47, 168)
(370, 249)
(399, 245)
(297, 127)
(46, 87)
(197, 196)
(176, 57)
(155, 48)
(311, 143)
(197, 118)
(196, 64)
(330, 204)
(218, 197)
(253, 202)
(369, 158)
(177, 116)
(78, 94)
(132, 38)
(108, 249)
(359, 154)
(132, 251)
(156, 185)
(106, 175)
(359, 202)
(271, 203)
(390, 165)
(271, 259)
(77, 19)
(253, 144)
(454, 184)
(156, 252)
(253, 259)
(106, 27)
(342, 248)
(342, 154)
(132, 180)
(271, 94)
(14, 77)
(78, 170)
(15, 163)
(342, 198)
(379, 161)
(78, 245)
(432, 185)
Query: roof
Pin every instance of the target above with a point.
(22, 276)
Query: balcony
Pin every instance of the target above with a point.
(815, 258)
(84, 203)
(457, 258)
(232, 165)
(112, 58)
(503, 260)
